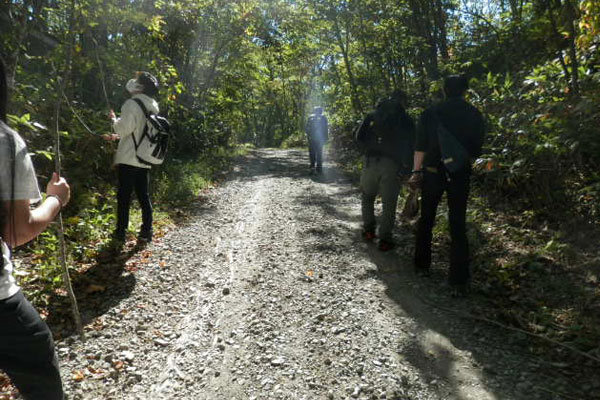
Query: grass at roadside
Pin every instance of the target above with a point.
(539, 277)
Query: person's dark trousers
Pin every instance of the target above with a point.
(315, 152)
(133, 178)
(27, 350)
(457, 188)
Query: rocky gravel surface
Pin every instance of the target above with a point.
(269, 292)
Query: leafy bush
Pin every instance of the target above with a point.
(295, 140)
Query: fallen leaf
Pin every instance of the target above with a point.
(78, 376)
(93, 288)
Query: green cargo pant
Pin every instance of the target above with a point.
(379, 178)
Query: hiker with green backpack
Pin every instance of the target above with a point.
(449, 137)
(386, 137)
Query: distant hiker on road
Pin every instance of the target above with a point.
(26, 345)
(133, 173)
(386, 136)
(449, 137)
(317, 135)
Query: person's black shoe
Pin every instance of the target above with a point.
(319, 170)
(459, 290)
(423, 272)
(145, 236)
(118, 236)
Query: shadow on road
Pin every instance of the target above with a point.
(97, 289)
(444, 326)
(292, 164)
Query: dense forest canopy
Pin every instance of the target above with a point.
(251, 70)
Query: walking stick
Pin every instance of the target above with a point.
(61, 231)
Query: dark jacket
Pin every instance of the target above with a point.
(316, 129)
(463, 120)
(392, 136)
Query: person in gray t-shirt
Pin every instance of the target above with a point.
(26, 347)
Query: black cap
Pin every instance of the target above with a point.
(149, 82)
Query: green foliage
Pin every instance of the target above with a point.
(295, 140)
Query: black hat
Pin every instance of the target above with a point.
(456, 85)
(149, 82)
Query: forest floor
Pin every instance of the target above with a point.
(268, 291)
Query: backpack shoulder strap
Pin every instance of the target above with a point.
(142, 106)
(136, 144)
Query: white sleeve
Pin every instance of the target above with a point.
(25, 181)
(126, 124)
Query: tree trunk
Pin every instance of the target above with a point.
(571, 19)
(442, 34)
(344, 49)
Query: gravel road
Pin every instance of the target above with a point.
(268, 292)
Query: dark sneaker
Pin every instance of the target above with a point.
(369, 235)
(319, 170)
(422, 272)
(459, 290)
(145, 236)
(384, 245)
(118, 236)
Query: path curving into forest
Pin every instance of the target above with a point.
(268, 292)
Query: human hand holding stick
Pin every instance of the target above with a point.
(110, 137)
(59, 188)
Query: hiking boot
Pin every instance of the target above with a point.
(145, 236)
(384, 245)
(423, 272)
(459, 290)
(118, 236)
(369, 236)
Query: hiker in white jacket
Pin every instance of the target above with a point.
(133, 174)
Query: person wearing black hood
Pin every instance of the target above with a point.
(466, 124)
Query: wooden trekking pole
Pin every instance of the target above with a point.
(61, 231)
(102, 79)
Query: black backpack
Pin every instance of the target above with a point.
(388, 132)
(453, 154)
(151, 147)
(316, 128)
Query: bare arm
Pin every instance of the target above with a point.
(418, 160)
(27, 224)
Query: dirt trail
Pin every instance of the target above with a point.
(270, 293)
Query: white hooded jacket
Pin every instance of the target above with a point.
(132, 121)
